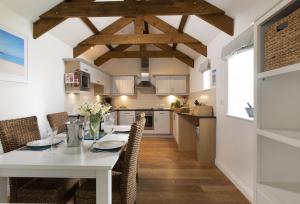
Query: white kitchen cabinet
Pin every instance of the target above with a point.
(94, 73)
(162, 122)
(97, 76)
(107, 86)
(85, 67)
(162, 84)
(123, 85)
(178, 84)
(167, 85)
(126, 117)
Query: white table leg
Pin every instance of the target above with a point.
(3, 190)
(103, 187)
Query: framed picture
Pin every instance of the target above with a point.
(13, 56)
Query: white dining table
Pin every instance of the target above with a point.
(63, 162)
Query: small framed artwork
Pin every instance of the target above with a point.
(13, 56)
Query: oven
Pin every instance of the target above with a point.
(149, 116)
(85, 81)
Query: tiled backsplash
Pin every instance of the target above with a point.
(207, 97)
(144, 99)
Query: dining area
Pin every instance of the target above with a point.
(75, 163)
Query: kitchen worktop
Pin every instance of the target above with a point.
(196, 116)
(142, 109)
(130, 109)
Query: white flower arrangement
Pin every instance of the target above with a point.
(93, 109)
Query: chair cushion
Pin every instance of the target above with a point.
(86, 194)
(47, 190)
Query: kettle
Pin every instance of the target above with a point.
(75, 133)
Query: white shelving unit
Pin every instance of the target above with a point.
(290, 137)
(280, 71)
(277, 120)
(275, 193)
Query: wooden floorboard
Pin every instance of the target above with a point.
(167, 176)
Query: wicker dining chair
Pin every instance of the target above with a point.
(58, 120)
(124, 183)
(15, 134)
(119, 165)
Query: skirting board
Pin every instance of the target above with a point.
(247, 192)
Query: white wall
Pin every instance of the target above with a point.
(235, 137)
(196, 77)
(44, 92)
(208, 97)
(156, 66)
(74, 101)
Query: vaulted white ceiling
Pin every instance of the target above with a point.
(73, 30)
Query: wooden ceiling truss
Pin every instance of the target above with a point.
(142, 13)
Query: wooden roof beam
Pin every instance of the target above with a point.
(186, 59)
(93, 28)
(220, 21)
(182, 24)
(43, 25)
(111, 29)
(140, 39)
(143, 54)
(135, 8)
(167, 28)
(106, 57)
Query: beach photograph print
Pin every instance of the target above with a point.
(12, 57)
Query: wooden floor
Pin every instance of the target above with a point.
(167, 176)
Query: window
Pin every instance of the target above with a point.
(206, 80)
(241, 83)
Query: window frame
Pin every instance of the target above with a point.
(203, 80)
(251, 120)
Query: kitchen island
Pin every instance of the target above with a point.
(204, 145)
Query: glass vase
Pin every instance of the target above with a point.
(95, 122)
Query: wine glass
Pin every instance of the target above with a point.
(109, 122)
(51, 133)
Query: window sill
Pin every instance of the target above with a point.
(239, 118)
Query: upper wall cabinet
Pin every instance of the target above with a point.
(166, 85)
(123, 85)
(96, 76)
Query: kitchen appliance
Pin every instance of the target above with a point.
(144, 79)
(85, 81)
(149, 116)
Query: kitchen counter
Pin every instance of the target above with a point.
(184, 132)
(142, 109)
(196, 116)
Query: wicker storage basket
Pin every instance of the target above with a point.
(282, 42)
